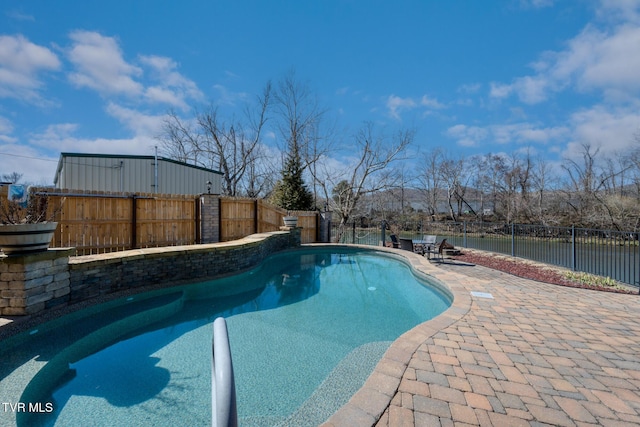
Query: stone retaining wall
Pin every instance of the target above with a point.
(32, 283)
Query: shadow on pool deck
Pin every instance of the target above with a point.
(516, 352)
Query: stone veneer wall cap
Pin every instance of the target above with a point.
(143, 253)
(49, 254)
(263, 235)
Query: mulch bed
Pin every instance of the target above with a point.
(529, 270)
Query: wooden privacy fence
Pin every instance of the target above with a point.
(106, 222)
(101, 222)
(241, 217)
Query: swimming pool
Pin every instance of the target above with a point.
(306, 327)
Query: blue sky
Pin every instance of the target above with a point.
(471, 76)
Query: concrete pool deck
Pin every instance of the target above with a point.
(509, 352)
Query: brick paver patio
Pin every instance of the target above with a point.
(514, 353)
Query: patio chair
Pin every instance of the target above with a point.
(427, 244)
(406, 244)
(438, 250)
(394, 241)
(429, 239)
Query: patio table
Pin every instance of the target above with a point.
(422, 246)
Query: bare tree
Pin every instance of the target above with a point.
(587, 182)
(260, 174)
(515, 187)
(299, 123)
(400, 192)
(430, 180)
(373, 152)
(179, 139)
(493, 167)
(13, 177)
(455, 179)
(231, 146)
(524, 172)
(541, 181)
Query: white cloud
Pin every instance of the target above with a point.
(523, 133)
(431, 103)
(536, 4)
(395, 105)
(469, 88)
(62, 136)
(6, 129)
(19, 16)
(619, 10)
(518, 133)
(55, 132)
(163, 95)
(602, 60)
(467, 136)
(611, 129)
(530, 90)
(615, 60)
(228, 97)
(35, 167)
(139, 123)
(231, 74)
(162, 65)
(333, 169)
(21, 62)
(100, 65)
(173, 89)
(500, 90)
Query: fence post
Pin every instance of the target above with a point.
(464, 234)
(383, 232)
(256, 216)
(353, 233)
(134, 222)
(197, 228)
(513, 240)
(635, 251)
(573, 247)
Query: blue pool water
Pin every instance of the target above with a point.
(306, 327)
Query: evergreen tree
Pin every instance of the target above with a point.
(290, 192)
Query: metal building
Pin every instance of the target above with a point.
(134, 174)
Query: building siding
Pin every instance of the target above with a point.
(133, 174)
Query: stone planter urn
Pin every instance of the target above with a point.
(290, 221)
(17, 239)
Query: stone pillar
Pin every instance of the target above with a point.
(210, 218)
(33, 282)
(295, 235)
(324, 224)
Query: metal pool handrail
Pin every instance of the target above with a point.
(223, 388)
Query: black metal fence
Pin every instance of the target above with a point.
(608, 253)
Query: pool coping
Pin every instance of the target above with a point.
(368, 404)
